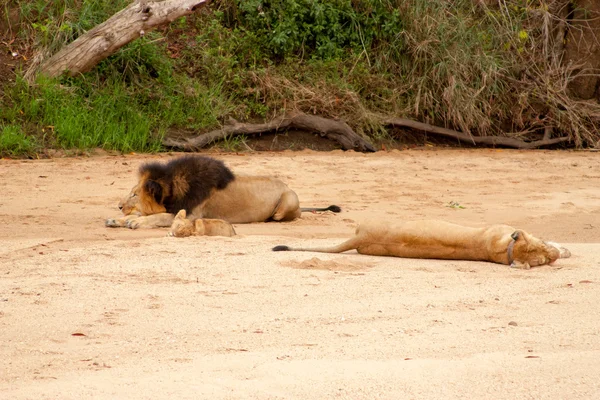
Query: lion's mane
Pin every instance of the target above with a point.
(184, 182)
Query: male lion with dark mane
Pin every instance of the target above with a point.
(205, 188)
(435, 239)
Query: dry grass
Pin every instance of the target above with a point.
(483, 70)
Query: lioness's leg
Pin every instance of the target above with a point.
(120, 222)
(160, 220)
(288, 208)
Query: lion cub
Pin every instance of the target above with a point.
(183, 227)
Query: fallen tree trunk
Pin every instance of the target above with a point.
(335, 130)
(103, 40)
(487, 140)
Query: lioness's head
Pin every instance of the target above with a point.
(529, 251)
(181, 227)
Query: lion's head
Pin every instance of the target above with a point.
(529, 251)
(141, 199)
(133, 203)
(180, 184)
(129, 204)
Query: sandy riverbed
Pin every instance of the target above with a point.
(93, 312)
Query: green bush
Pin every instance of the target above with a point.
(315, 28)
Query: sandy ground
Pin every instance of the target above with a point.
(93, 312)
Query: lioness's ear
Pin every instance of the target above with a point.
(515, 235)
(154, 189)
(181, 214)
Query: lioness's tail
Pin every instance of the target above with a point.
(332, 208)
(350, 244)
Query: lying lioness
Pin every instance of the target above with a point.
(183, 227)
(205, 188)
(501, 244)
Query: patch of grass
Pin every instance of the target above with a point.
(234, 143)
(107, 118)
(14, 142)
(128, 103)
(114, 114)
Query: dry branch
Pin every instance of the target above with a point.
(335, 130)
(103, 40)
(487, 140)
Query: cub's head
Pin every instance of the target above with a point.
(181, 227)
(529, 251)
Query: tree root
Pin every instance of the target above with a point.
(335, 130)
(342, 133)
(485, 140)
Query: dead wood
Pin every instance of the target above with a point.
(486, 140)
(103, 40)
(338, 131)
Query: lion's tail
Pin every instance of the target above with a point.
(332, 208)
(350, 244)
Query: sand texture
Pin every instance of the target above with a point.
(89, 312)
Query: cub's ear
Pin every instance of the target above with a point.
(154, 189)
(181, 214)
(515, 235)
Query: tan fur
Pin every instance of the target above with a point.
(247, 199)
(130, 206)
(444, 240)
(183, 227)
(135, 221)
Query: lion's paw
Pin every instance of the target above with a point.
(113, 223)
(133, 224)
(520, 265)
